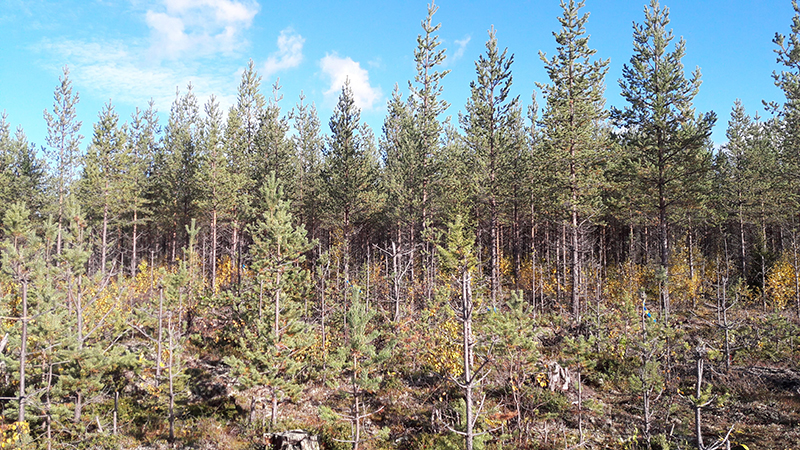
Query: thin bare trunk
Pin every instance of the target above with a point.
(274, 414)
(276, 325)
(160, 330)
(104, 245)
(116, 410)
(134, 240)
(171, 380)
(23, 351)
(466, 309)
(214, 251)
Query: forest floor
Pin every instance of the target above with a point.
(760, 401)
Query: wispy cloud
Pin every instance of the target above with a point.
(460, 49)
(118, 71)
(183, 35)
(199, 27)
(289, 54)
(339, 69)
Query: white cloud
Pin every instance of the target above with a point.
(340, 69)
(289, 54)
(203, 27)
(462, 47)
(119, 71)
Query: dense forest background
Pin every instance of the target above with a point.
(556, 276)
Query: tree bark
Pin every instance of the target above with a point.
(23, 351)
(467, 344)
(134, 238)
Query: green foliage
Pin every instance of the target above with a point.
(22, 173)
(458, 254)
(273, 148)
(268, 352)
(176, 189)
(63, 141)
(788, 80)
(666, 150)
(360, 359)
(770, 337)
(308, 146)
(349, 172)
(573, 138)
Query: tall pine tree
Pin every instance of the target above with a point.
(349, 173)
(63, 141)
(666, 142)
(571, 127)
(488, 129)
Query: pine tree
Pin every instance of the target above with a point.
(278, 246)
(273, 147)
(176, 170)
(101, 182)
(426, 106)
(512, 332)
(215, 178)
(349, 173)
(788, 80)
(268, 349)
(752, 190)
(181, 288)
(22, 173)
(518, 169)
(571, 127)
(786, 132)
(22, 261)
(399, 174)
(308, 146)
(82, 362)
(359, 361)
(63, 140)
(250, 105)
(487, 125)
(142, 138)
(410, 148)
(240, 146)
(667, 144)
(459, 260)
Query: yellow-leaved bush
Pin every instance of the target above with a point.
(782, 282)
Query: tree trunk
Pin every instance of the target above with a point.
(160, 330)
(48, 406)
(466, 308)
(134, 240)
(234, 242)
(575, 266)
(698, 391)
(396, 281)
(494, 253)
(116, 410)
(517, 247)
(645, 382)
(171, 382)
(78, 407)
(274, 414)
(742, 244)
(276, 325)
(104, 245)
(23, 351)
(214, 251)
(357, 420)
(664, 244)
(533, 261)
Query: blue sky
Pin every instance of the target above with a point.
(129, 51)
